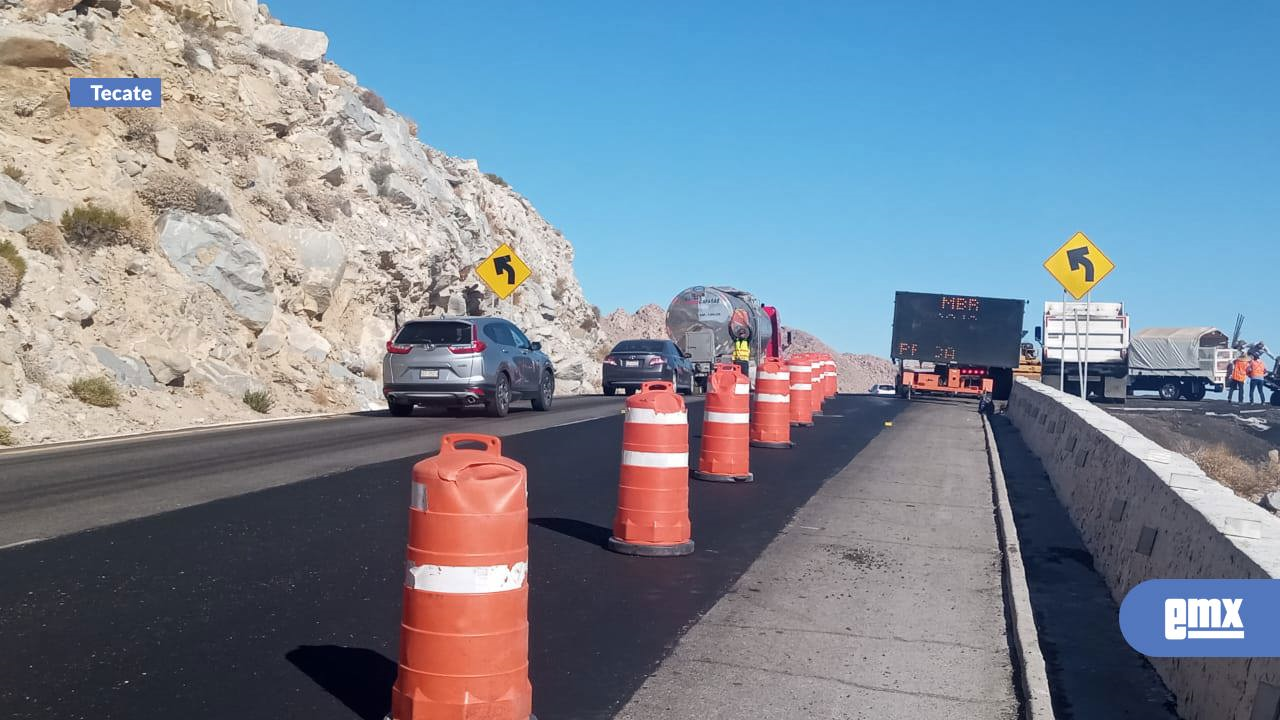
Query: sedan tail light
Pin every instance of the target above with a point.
(395, 349)
(656, 361)
(610, 360)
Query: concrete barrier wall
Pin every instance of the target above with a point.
(1146, 513)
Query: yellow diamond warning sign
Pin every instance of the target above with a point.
(503, 271)
(1079, 265)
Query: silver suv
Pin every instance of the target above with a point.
(465, 361)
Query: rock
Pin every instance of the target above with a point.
(259, 94)
(306, 342)
(400, 191)
(81, 308)
(25, 46)
(1271, 501)
(127, 370)
(271, 340)
(17, 205)
(354, 110)
(131, 168)
(204, 60)
(139, 265)
(47, 209)
(221, 377)
(301, 44)
(335, 175)
(40, 8)
(323, 259)
(1273, 456)
(168, 366)
(244, 13)
(15, 411)
(167, 144)
(206, 250)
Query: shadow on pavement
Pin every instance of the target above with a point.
(577, 529)
(360, 679)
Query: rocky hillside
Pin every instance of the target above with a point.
(856, 372)
(256, 234)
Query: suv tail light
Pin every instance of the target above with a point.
(656, 361)
(395, 349)
(610, 360)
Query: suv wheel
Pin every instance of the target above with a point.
(400, 409)
(501, 402)
(546, 391)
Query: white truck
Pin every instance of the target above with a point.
(1179, 362)
(1076, 333)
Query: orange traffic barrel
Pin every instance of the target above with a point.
(817, 393)
(771, 416)
(801, 412)
(726, 419)
(464, 639)
(832, 379)
(653, 487)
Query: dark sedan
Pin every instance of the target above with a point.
(632, 363)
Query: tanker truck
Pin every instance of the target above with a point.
(699, 320)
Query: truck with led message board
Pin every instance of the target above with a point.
(956, 344)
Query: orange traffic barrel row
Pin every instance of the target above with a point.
(464, 639)
(801, 373)
(726, 419)
(653, 485)
(771, 415)
(832, 379)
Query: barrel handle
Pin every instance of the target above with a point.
(450, 442)
(659, 385)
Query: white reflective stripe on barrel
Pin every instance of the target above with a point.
(455, 579)
(742, 388)
(731, 418)
(798, 368)
(801, 386)
(773, 376)
(772, 398)
(636, 458)
(418, 496)
(649, 416)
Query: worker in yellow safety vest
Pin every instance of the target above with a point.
(742, 354)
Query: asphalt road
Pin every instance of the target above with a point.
(285, 601)
(52, 491)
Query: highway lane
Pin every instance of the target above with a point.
(285, 602)
(52, 491)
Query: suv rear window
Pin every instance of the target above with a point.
(435, 333)
(655, 346)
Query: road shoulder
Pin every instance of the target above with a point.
(882, 598)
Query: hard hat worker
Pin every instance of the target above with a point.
(1256, 370)
(740, 329)
(1239, 374)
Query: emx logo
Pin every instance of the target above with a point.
(1203, 618)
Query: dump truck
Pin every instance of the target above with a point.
(960, 345)
(1179, 362)
(700, 320)
(1093, 336)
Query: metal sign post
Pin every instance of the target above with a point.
(1062, 345)
(1084, 374)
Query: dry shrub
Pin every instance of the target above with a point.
(243, 144)
(276, 211)
(9, 281)
(6, 436)
(90, 226)
(96, 391)
(175, 191)
(380, 172)
(322, 206)
(338, 137)
(259, 401)
(1247, 479)
(413, 127)
(203, 135)
(33, 366)
(496, 179)
(13, 172)
(9, 252)
(139, 126)
(44, 237)
(373, 101)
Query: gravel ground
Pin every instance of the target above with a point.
(1250, 431)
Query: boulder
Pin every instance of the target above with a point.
(244, 13)
(25, 46)
(15, 411)
(17, 205)
(353, 109)
(206, 250)
(323, 259)
(221, 377)
(298, 43)
(400, 190)
(259, 94)
(306, 342)
(168, 366)
(127, 370)
(167, 144)
(39, 8)
(204, 60)
(1271, 501)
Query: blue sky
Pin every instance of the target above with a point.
(824, 155)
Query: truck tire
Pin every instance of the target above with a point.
(1170, 390)
(1193, 390)
(1275, 397)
